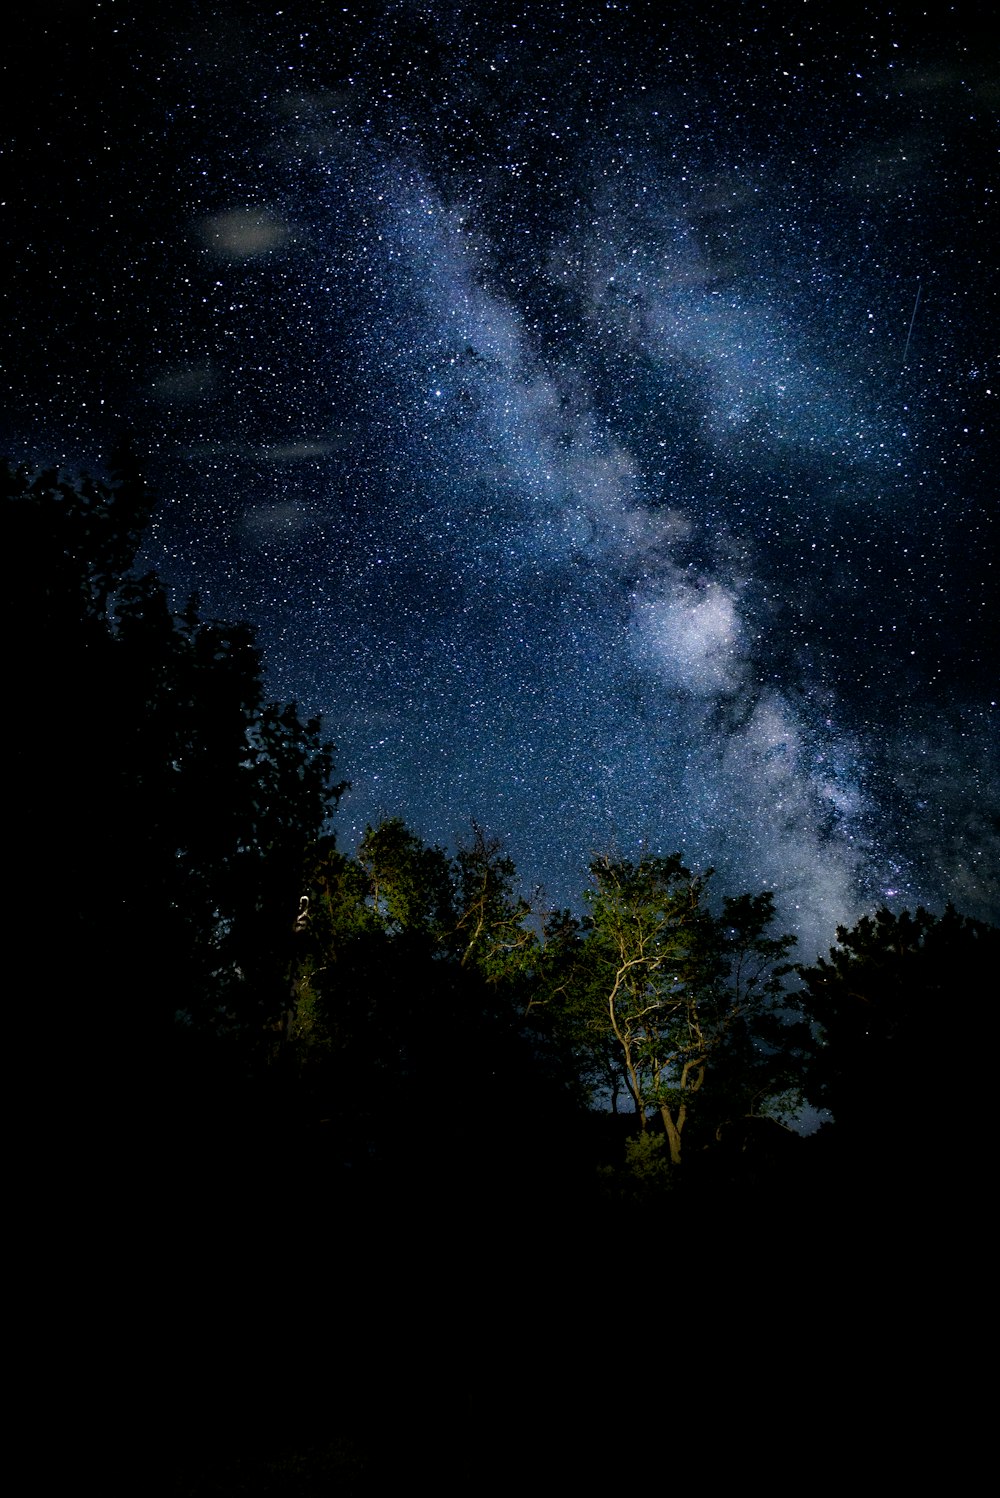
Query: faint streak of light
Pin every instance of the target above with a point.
(913, 319)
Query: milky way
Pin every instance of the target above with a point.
(591, 412)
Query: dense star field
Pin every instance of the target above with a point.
(592, 412)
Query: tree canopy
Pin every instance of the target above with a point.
(666, 994)
(890, 1011)
(164, 809)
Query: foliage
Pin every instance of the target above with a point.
(75, 540)
(174, 805)
(409, 885)
(420, 1028)
(663, 992)
(492, 930)
(884, 1006)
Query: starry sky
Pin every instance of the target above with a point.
(592, 406)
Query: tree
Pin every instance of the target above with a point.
(410, 886)
(420, 1023)
(492, 930)
(75, 540)
(677, 993)
(891, 1009)
(163, 808)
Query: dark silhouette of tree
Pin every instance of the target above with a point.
(160, 809)
(891, 1013)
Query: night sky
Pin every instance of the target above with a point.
(593, 412)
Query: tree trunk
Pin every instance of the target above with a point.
(673, 1130)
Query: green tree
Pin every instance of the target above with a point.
(678, 995)
(492, 930)
(562, 1003)
(410, 886)
(419, 1013)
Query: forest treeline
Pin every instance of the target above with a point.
(390, 1132)
(182, 887)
